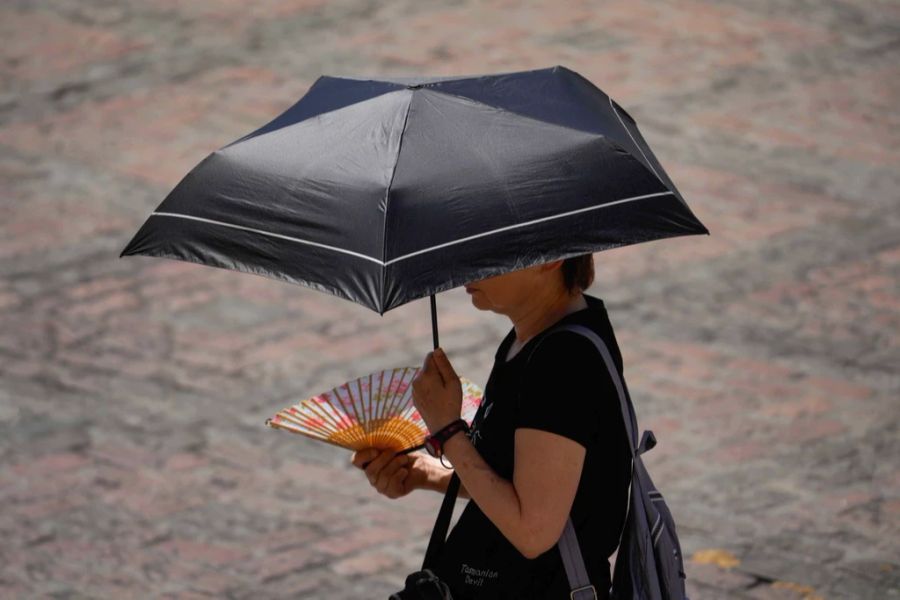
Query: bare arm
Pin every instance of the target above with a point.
(439, 478)
(531, 510)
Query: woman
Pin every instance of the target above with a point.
(548, 442)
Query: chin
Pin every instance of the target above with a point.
(481, 306)
(477, 303)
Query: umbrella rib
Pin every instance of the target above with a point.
(269, 233)
(387, 197)
(628, 131)
(508, 227)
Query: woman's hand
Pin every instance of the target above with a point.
(437, 391)
(392, 475)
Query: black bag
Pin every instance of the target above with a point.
(423, 585)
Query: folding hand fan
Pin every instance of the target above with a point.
(373, 411)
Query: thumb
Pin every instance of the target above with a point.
(426, 365)
(361, 458)
(431, 368)
(443, 364)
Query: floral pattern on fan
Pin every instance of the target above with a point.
(373, 411)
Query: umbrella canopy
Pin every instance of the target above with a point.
(381, 191)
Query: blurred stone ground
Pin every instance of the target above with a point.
(134, 462)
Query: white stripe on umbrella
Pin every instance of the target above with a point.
(269, 233)
(508, 227)
(416, 253)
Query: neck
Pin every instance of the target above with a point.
(544, 312)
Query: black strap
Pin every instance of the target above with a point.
(439, 533)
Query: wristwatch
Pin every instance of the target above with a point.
(434, 443)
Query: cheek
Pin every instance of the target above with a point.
(495, 299)
(488, 294)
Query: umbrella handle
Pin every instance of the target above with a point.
(434, 327)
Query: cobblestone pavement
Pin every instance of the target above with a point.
(134, 461)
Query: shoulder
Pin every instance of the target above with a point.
(564, 346)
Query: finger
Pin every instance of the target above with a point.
(427, 367)
(387, 473)
(426, 374)
(374, 467)
(444, 366)
(361, 458)
(432, 367)
(396, 487)
(397, 462)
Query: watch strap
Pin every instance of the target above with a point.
(435, 442)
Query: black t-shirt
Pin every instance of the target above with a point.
(565, 388)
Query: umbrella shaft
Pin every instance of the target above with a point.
(434, 329)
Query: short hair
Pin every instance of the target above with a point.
(578, 273)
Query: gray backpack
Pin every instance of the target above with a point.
(649, 563)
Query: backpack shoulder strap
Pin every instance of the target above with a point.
(627, 410)
(569, 550)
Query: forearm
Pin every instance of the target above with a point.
(438, 479)
(496, 497)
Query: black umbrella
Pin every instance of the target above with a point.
(386, 190)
